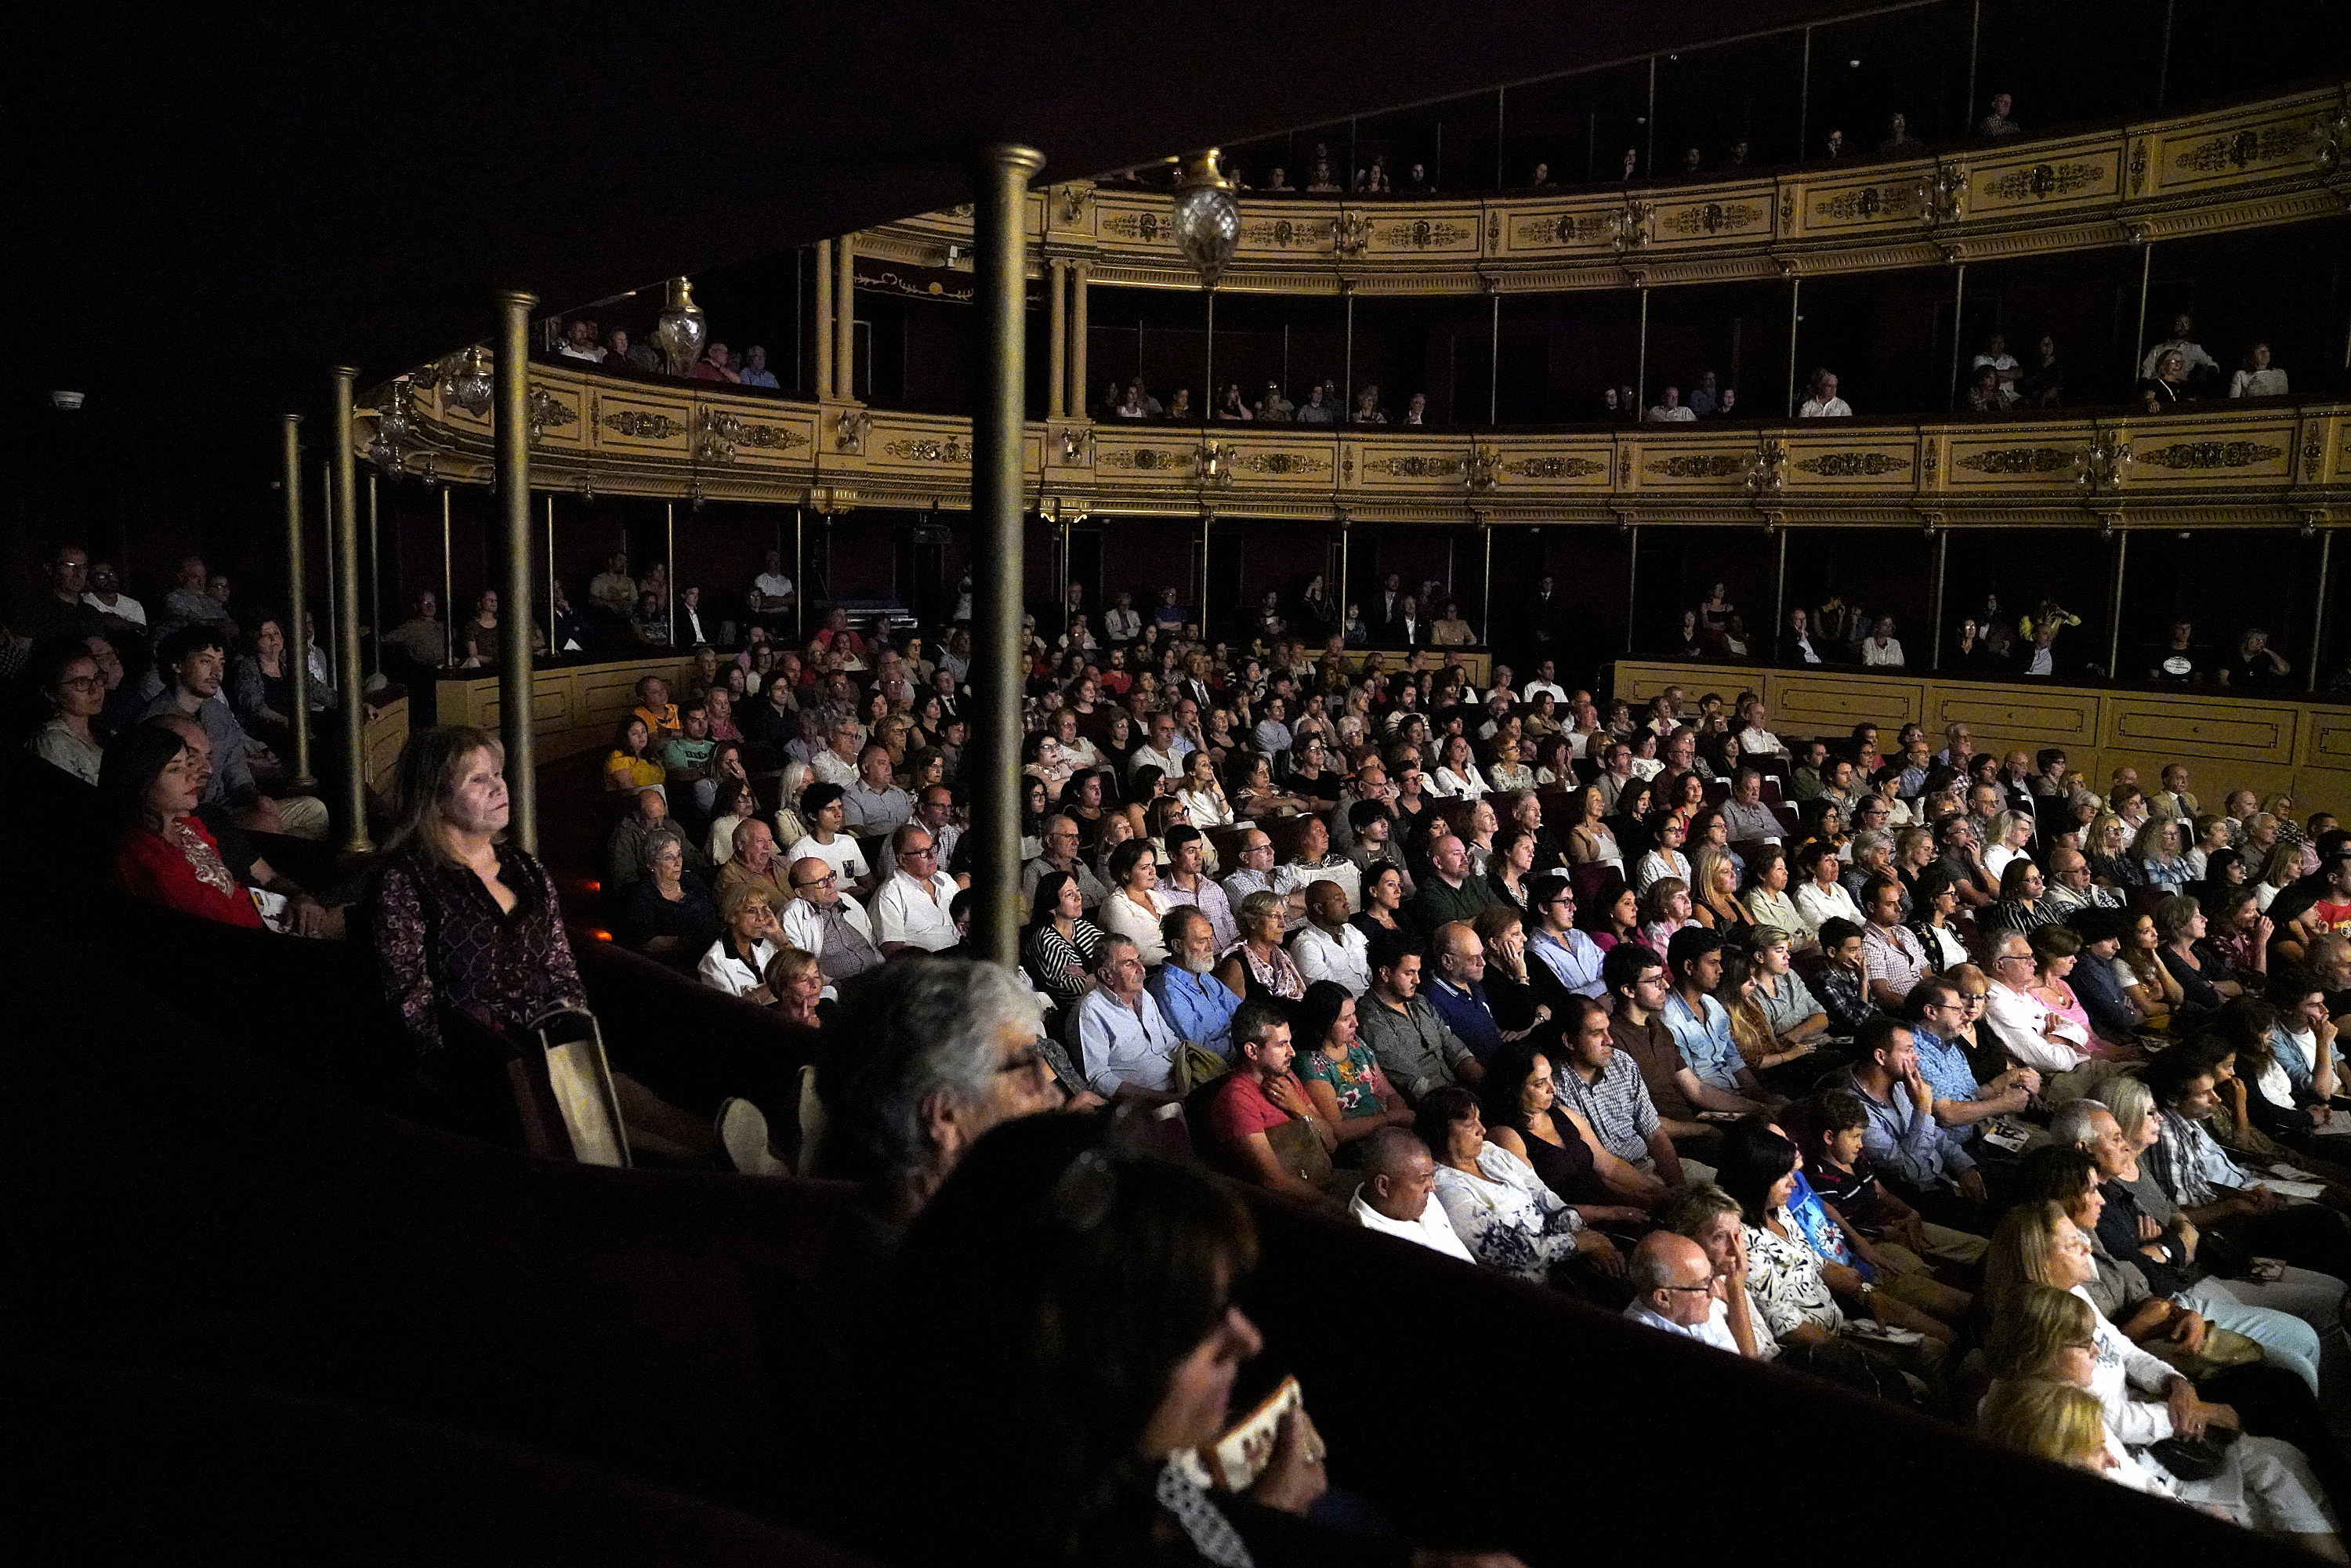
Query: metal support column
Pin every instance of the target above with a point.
(1494, 363)
(844, 316)
(799, 575)
(448, 585)
(1057, 338)
(2146, 276)
(297, 582)
(2115, 604)
(1080, 277)
(823, 323)
(1347, 336)
(1795, 304)
(1959, 313)
(1208, 374)
(1942, 558)
(1000, 180)
(375, 581)
(1486, 588)
(1780, 595)
(1641, 363)
(512, 432)
(349, 682)
(669, 563)
(2318, 616)
(553, 651)
(1632, 586)
(1805, 99)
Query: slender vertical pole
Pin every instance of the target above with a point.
(1780, 597)
(844, 316)
(296, 599)
(375, 585)
(1641, 364)
(1942, 558)
(800, 576)
(2163, 67)
(1208, 375)
(1502, 178)
(2146, 277)
(2318, 615)
(1494, 363)
(2115, 603)
(448, 585)
(1632, 586)
(1346, 581)
(799, 321)
(327, 525)
(824, 379)
(1975, 40)
(1485, 586)
(552, 650)
(1079, 327)
(1206, 518)
(1056, 339)
(1959, 313)
(1804, 104)
(349, 682)
(669, 559)
(1346, 288)
(1650, 163)
(1795, 303)
(1000, 178)
(512, 433)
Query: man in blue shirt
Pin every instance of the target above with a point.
(1959, 1101)
(1459, 990)
(1700, 1025)
(1921, 1160)
(1198, 1005)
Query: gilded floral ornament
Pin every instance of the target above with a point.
(642, 424)
(1415, 466)
(2045, 180)
(1485, 467)
(548, 413)
(922, 449)
(1851, 465)
(2016, 460)
(2211, 455)
(849, 428)
(1555, 467)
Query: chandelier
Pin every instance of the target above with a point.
(465, 380)
(682, 330)
(1208, 218)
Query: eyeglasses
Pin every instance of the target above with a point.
(1706, 1288)
(82, 683)
(1974, 997)
(826, 881)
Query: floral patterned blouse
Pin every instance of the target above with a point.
(443, 947)
(1785, 1283)
(1506, 1218)
(1355, 1079)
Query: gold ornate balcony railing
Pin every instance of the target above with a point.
(2248, 166)
(2213, 465)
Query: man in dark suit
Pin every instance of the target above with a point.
(1387, 614)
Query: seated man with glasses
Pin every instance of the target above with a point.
(823, 921)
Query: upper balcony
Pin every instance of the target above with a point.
(2247, 166)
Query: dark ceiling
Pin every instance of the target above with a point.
(253, 193)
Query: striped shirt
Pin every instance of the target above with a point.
(1618, 1107)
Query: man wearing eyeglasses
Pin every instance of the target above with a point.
(913, 909)
(2027, 1029)
(822, 921)
(1936, 1009)
(1675, 1289)
(1126, 1046)
(1058, 841)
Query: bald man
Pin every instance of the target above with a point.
(1674, 1288)
(754, 861)
(1399, 1174)
(825, 921)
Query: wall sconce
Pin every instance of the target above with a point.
(1208, 217)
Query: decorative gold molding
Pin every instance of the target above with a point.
(1415, 466)
(2211, 455)
(1145, 460)
(2045, 180)
(1555, 467)
(1714, 466)
(1851, 465)
(954, 449)
(2017, 460)
(643, 425)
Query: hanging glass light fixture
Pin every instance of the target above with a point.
(466, 380)
(682, 330)
(1208, 218)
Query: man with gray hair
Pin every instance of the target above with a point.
(1399, 1173)
(1873, 856)
(1126, 1047)
(1749, 820)
(929, 1054)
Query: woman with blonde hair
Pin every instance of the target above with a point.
(2156, 850)
(2106, 844)
(2263, 1483)
(2010, 838)
(2055, 1421)
(1714, 895)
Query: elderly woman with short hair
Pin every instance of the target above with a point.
(748, 938)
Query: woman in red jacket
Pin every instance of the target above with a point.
(150, 787)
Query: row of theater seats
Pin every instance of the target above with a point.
(219, 1212)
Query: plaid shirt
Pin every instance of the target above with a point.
(2188, 1164)
(1618, 1107)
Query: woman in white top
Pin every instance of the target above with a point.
(2012, 837)
(1456, 776)
(1822, 897)
(1205, 805)
(737, 962)
(1135, 905)
(1668, 831)
(1508, 772)
(736, 804)
(2258, 378)
(2263, 1484)
(1501, 1210)
(1767, 901)
(2286, 863)
(1589, 842)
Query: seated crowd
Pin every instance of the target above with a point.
(1942, 1075)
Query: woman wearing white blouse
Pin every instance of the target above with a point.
(1666, 858)
(2258, 378)
(1456, 776)
(1589, 840)
(1135, 905)
(1205, 805)
(1822, 897)
(2011, 835)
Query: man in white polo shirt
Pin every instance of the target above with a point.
(913, 908)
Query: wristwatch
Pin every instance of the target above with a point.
(1867, 1289)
